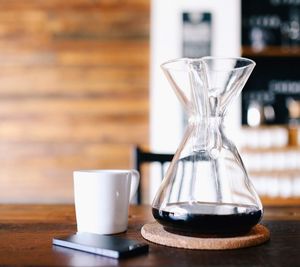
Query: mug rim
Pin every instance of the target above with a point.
(96, 171)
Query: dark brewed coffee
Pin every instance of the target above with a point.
(208, 218)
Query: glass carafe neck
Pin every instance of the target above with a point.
(207, 134)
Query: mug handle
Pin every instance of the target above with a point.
(135, 180)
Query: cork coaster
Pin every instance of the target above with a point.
(155, 233)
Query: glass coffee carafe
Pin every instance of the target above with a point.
(206, 189)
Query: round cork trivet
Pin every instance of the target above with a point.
(155, 233)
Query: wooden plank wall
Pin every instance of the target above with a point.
(73, 92)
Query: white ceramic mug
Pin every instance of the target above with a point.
(102, 199)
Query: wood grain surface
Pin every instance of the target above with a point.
(73, 92)
(26, 232)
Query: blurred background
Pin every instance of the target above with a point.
(73, 92)
(80, 87)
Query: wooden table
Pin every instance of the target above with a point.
(26, 232)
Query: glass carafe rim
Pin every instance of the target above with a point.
(202, 59)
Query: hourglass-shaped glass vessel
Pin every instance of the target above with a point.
(206, 189)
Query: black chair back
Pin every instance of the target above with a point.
(141, 157)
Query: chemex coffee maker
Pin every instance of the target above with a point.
(206, 189)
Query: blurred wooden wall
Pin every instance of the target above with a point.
(73, 92)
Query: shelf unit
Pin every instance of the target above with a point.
(269, 38)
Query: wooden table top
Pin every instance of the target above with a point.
(26, 233)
